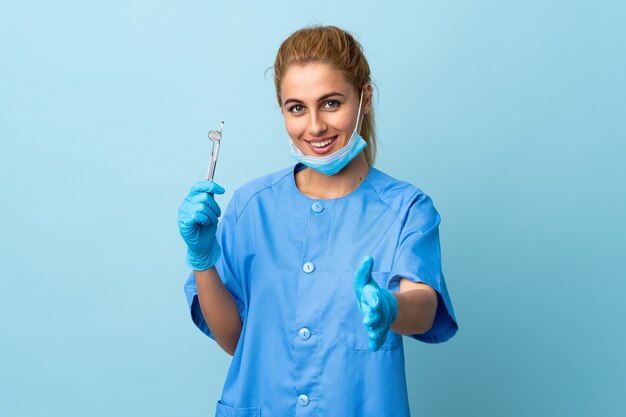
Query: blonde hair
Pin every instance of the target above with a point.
(334, 46)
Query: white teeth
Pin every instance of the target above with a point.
(323, 143)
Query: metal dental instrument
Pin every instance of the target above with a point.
(216, 137)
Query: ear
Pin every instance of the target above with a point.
(367, 98)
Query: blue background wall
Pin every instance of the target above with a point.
(510, 116)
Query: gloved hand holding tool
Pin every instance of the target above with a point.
(197, 223)
(378, 305)
(198, 214)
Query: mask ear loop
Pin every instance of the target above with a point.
(358, 115)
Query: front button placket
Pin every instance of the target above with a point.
(312, 288)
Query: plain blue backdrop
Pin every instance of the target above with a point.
(510, 115)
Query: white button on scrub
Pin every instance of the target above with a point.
(317, 207)
(304, 333)
(308, 267)
(303, 400)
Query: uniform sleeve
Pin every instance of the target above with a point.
(418, 258)
(226, 268)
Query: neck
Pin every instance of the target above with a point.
(317, 185)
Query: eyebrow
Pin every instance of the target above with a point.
(324, 97)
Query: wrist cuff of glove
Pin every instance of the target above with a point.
(203, 261)
(393, 301)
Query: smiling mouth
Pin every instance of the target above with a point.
(319, 144)
(322, 146)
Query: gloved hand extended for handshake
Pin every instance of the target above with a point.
(378, 305)
(197, 223)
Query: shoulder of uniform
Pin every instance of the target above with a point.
(250, 189)
(397, 194)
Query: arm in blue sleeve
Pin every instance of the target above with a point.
(226, 268)
(418, 258)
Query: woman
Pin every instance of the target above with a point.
(316, 271)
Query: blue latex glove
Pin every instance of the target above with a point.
(197, 223)
(378, 306)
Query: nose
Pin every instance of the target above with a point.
(317, 124)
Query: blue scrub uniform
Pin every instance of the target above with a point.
(289, 262)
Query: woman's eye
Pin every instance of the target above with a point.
(296, 108)
(331, 104)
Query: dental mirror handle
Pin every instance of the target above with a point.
(213, 161)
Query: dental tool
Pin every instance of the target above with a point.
(216, 137)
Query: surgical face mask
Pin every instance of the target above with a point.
(335, 162)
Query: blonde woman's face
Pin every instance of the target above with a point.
(320, 108)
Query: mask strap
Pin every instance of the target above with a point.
(358, 115)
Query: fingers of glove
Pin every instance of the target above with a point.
(363, 275)
(205, 215)
(373, 320)
(188, 215)
(215, 208)
(376, 340)
(370, 296)
(372, 345)
(203, 219)
(206, 186)
(381, 300)
(209, 207)
(206, 199)
(377, 333)
(375, 343)
(373, 317)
